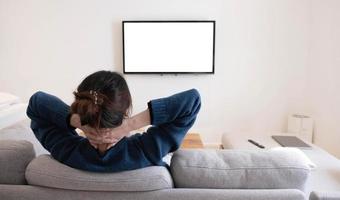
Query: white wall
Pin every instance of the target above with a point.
(324, 74)
(261, 55)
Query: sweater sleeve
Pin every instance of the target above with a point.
(49, 124)
(175, 108)
(44, 108)
(171, 118)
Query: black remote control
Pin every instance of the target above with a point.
(256, 144)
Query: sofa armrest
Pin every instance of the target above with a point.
(239, 169)
(323, 195)
(14, 158)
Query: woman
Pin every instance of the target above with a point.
(101, 109)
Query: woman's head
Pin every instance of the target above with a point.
(102, 100)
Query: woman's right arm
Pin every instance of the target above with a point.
(176, 109)
(171, 118)
(138, 121)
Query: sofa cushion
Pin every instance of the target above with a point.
(14, 158)
(242, 169)
(19, 192)
(45, 171)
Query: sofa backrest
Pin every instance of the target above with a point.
(47, 172)
(239, 169)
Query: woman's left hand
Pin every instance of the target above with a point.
(110, 136)
(91, 134)
(99, 138)
(106, 137)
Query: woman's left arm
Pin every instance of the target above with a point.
(48, 116)
(48, 109)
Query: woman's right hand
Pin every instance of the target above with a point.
(109, 136)
(98, 139)
(140, 120)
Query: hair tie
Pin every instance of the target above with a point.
(94, 93)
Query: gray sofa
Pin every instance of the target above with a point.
(193, 175)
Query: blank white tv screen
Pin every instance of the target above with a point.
(168, 46)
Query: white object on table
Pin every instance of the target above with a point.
(301, 126)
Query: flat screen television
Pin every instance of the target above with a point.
(168, 47)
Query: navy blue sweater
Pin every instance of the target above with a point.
(171, 118)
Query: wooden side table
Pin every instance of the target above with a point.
(192, 141)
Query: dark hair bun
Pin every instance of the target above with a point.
(86, 108)
(92, 107)
(102, 100)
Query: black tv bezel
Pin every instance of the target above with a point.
(170, 21)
